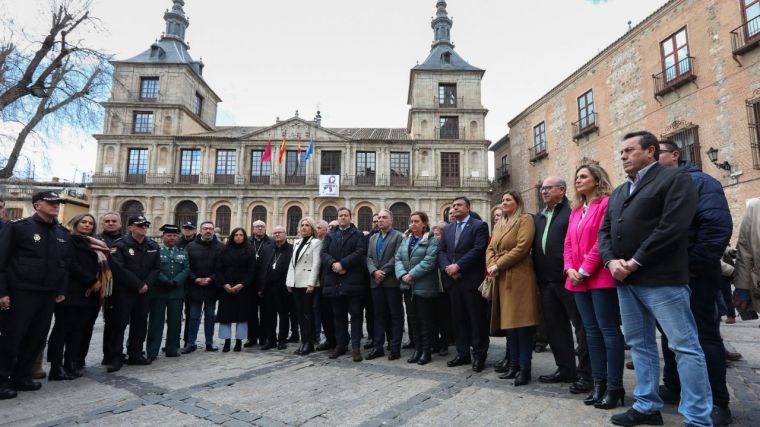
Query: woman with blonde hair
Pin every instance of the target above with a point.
(303, 279)
(593, 286)
(514, 305)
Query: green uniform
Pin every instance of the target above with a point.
(166, 299)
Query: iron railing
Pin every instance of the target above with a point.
(674, 76)
(448, 102)
(746, 36)
(584, 126)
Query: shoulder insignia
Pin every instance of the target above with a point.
(36, 237)
(113, 250)
(13, 221)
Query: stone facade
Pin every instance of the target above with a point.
(711, 101)
(177, 165)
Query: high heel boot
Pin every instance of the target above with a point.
(611, 398)
(226, 348)
(597, 393)
(510, 373)
(238, 345)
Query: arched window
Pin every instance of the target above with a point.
(130, 208)
(294, 217)
(223, 219)
(365, 218)
(259, 214)
(401, 212)
(186, 211)
(330, 213)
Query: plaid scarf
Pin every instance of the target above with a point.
(104, 282)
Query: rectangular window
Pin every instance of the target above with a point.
(365, 167)
(143, 122)
(295, 168)
(688, 141)
(399, 168)
(539, 139)
(226, 163)
(675, 55)
(198, 104)
(450, 169)
(330, 163)
(504, 167)
(449, 127)
(137, 165)
(260, 171)
(586, 110)
(751, 11)
(447, 95)
(149, 88)
(190, 166)
(753, 114)
(13, 213)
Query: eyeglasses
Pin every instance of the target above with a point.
(549, 187)
(141, 225)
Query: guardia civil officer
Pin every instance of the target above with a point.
(167, 295)
(135, 262)
(34, 254)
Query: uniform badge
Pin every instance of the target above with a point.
(37, 237)
(131, 251)
(113, 250)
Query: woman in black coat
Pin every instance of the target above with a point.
(234, 272)
(73, 316)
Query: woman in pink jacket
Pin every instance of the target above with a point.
(594, 287)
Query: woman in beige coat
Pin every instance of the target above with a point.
(514, 306)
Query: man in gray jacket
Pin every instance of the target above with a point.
(386, 294)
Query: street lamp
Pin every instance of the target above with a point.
(712, 154)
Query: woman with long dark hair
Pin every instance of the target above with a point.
(89, 282)
(234, 273)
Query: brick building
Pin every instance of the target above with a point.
(689, 72)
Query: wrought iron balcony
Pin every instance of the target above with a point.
(746, 37)
(585, 126)
(537, 152)
(674, 76)
(368, 179)
(502, 172)
(453, 132)
(449, 102)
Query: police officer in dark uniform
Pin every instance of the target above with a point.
(189, 234)
(135, 262)
(111, 225)
(167, 295)
(34, 255)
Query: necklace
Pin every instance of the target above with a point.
(257, 247)
(276, 258)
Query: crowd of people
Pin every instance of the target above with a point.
(647, 255)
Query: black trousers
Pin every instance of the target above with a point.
(343, 306)
(468, 314)
(67, 334)
(130, 308)
(728, 302)
(442, 324)
(186, 323)
(368, 308)
(421, 315)
(561, 316)
(290, 303)
(256, 319)
(23, 330)
(109, 324)
(89, 327)
(705, 309)
(388, 310)
(328, 319)
(275, 304)
(303, 302)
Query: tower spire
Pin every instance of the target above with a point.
(441, 25)
(176, 23)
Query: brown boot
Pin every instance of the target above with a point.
(37, 372)
(357, 355)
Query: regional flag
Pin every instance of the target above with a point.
(267, 156)
(282, 150)
(309, 150)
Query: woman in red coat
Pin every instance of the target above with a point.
(593, 286)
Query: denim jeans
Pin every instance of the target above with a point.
(241, 330)
(209, 317)
(641, 308)
(520, 347)
(600, 313)
(388, 308)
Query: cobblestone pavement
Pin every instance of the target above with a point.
(276, 388)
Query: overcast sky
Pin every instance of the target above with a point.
(267, 59)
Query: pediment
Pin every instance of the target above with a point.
(291, 129)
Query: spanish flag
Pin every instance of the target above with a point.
(282, 150)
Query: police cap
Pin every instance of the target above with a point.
(47, 196)
(169, 228)
(188, 225)
(138, 220)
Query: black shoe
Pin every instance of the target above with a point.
(282, 345)
(337, 352)
(522, 378)
(582, 385)
(138, 361)
(188, 349)
(599, 390)
(458, 361)
(227, 344)
(415, 357)
(539, 347)
(115, 365)
(394, 356)
(238, 345)
(510, 373)
(325, 346)
(299, 350)
(106, 361)
(58, 374)
(611, 398)
(721, 416)
(478, 364)
(556, 377)
(307, 349)
(374, 354)
(408, 345)
(294, 338)
(73, 369)
(669, 396)
(369, 345)
(268, 345)
(26, 385)
(501, 366)
(629, 365)
(635, 418)
(249, 343)
(172, 354)
(6, 392)
(425, 358)
(211, 347)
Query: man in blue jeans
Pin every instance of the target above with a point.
(202, 292)
(644, 243)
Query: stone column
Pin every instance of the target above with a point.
(239, 211)
(203, 210)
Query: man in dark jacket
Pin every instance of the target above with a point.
(34, 255)
(202, 294)
(111, 225)
(135, 261)
(256, 332)
(709, 233)
(270, 285)
(344, 276)
(557, 303)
